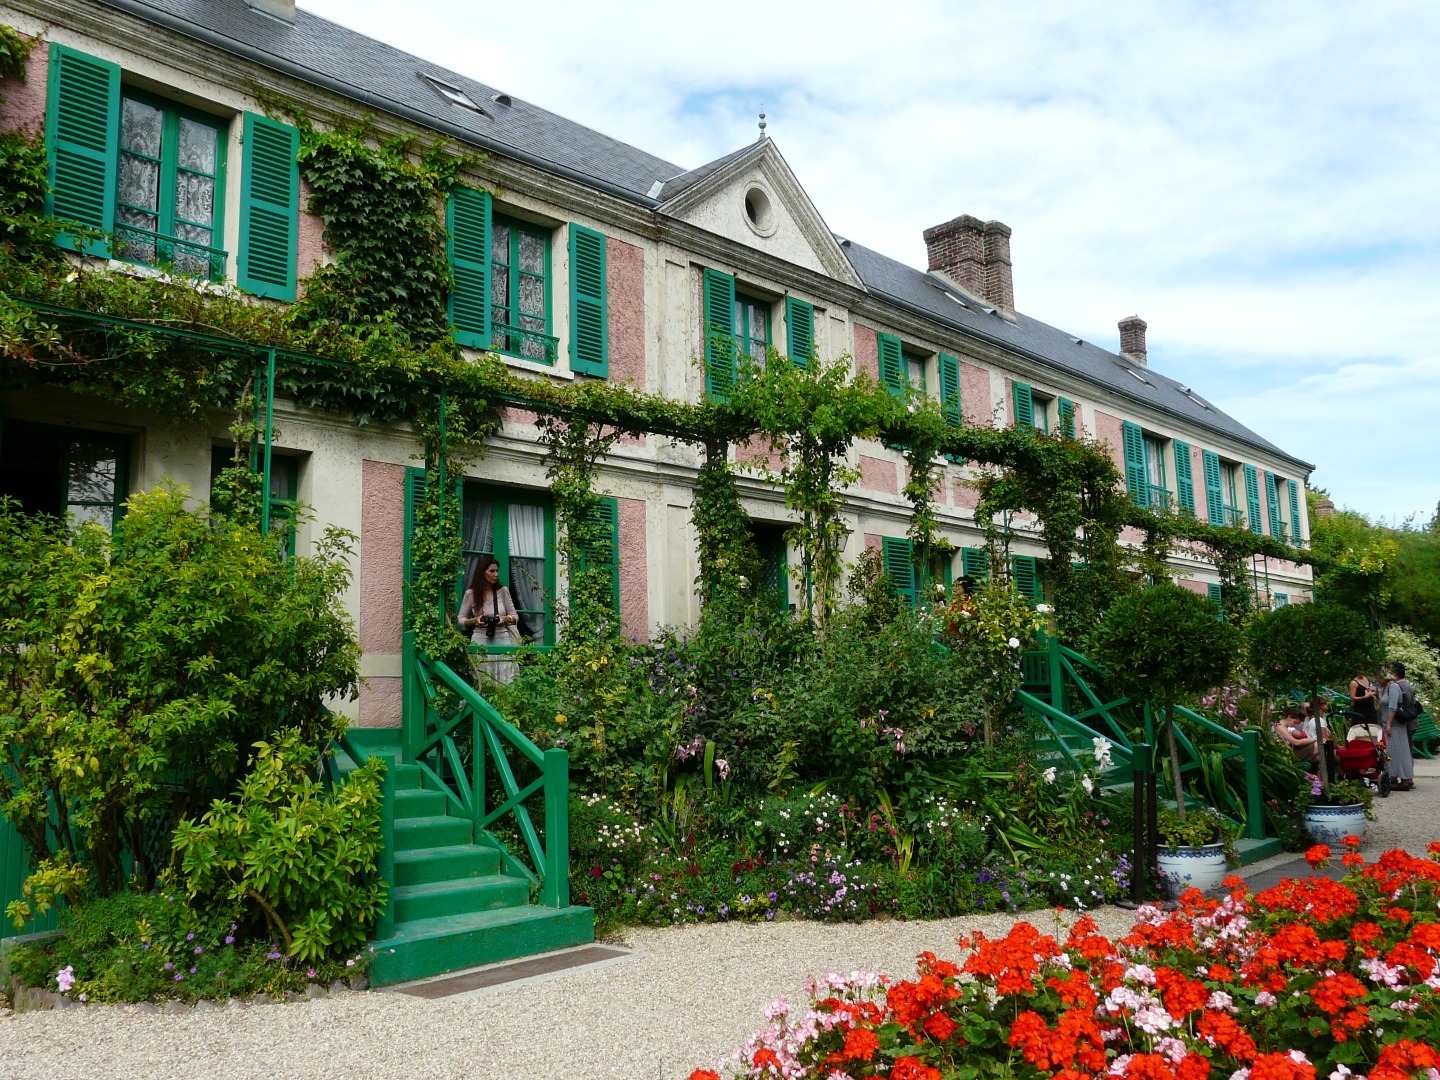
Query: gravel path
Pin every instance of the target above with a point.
(688, 997)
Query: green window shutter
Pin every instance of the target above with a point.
(892, 364)
(82, 137)
(799, 331)
(1024, 406)
(589, 307)
(1272, 505)
(414, 496)
(1025, 569)
(269, 209)
(1214, 497)
(1294, 490)
(1282, 599)
(975, 563)
(467, 226)
(719, 334)
(950, 390)
(603, 549)
(1184, 478)
(1252, 500)
(1136, 481)
(898, 556)
(1215, 598)
(1066, 410)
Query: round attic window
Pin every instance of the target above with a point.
(758, 212)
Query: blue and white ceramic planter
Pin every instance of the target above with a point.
(1329, 824)
(1201, 868)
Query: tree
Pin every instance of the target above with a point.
(1308, 645)
(136, 671)
(1162, 644)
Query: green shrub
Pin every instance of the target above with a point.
(286, 851)
(135, 669)
(134, 946)
(1163, 644)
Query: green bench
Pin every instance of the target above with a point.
(1426, 735)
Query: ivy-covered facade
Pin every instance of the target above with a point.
(218, 144)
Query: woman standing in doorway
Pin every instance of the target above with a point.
(488, 614)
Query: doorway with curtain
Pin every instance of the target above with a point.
(517, 526)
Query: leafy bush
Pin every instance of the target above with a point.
(1422, 663)
(135, 667)
(141, 946)
(284, 850)
(1162, 644)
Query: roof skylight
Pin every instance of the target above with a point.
(453, 94)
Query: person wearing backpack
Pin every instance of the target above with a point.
(1400, 713)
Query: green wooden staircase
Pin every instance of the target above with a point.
(1065, 693)
(460, 896)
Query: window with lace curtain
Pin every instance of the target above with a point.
(518, 528)
(170, 187)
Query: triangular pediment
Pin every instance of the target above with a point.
(751, 196)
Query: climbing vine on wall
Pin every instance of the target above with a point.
(369, 340)
(810, 416)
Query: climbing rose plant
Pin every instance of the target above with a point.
(1310, 979)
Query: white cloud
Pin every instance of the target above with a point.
(1256, 180)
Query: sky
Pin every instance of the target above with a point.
(1259, 182)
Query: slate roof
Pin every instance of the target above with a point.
(928, 295)
(379, 77)
(685, 181)
(378, 74)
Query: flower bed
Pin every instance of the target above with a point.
(1312, 978)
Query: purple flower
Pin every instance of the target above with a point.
(168, 965)
(229, 939)
(179, 977)
(192, 971)
(311, 973)
(189, 937)
(198, 950)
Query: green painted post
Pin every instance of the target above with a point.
(555, 890)
(269, 438)
(412, 700)
(385, 867)
(1254, 809)
(1057, 670)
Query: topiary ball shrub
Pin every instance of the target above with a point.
(1163, 643)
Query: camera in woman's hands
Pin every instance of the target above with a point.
(490, 622)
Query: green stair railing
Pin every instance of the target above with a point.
(385, 864)
(455, 736)
(1243, 745)
(1068, 733)
(1069, 676)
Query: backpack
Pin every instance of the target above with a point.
(1407, 711)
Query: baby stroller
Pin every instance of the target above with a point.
(1363, 755)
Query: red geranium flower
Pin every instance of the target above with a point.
(1318, 855)
(860, 1045)
(910, 1068)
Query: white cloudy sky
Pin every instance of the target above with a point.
(1261, 182)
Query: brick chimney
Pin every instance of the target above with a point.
(975, 255)
(999, 281)
(1132, 339)
(284, 10)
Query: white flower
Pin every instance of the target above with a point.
(1340, 1073)
(1102, 751)
(1087, 783)
(1049, 775)
(1043, 609)
(65, 978)
(1014, 643)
